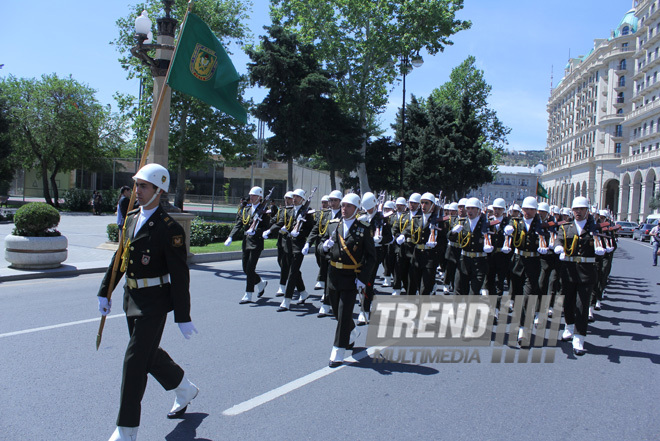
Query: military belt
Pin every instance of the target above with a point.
(146, 283)
(526, 253)
(580, 259)
(453, 244)
(471, 254)
(340, 265)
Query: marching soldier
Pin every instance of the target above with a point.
(396, 220)
(254, 221)
(550, 261)
(349, 246)
(157, 282)
(499, 260)
(403, 230)
(577, 247)
(282, 260)
(603, 263)
(423, 235)
(453, 253)
(474, 243)
(389, 262)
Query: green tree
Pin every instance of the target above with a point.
(57, 125)
(361, 38)
(196, 129)
(466, 81)
(7, 167)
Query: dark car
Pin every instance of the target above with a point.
(627, 228)
(643, 232)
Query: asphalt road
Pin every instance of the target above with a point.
(264, 374)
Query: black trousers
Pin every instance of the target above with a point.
(389, 261)
(498, 271)
(283, 262)
(396, 279)
(473, 271)
(422, 272)
(548, 277)
(294, 279)
(250, 260)
(577, 281)
(452, 258)
(322, 262)
(365, 306)
(525, 277)
(144, 356)
(343, 302)
(405, 262)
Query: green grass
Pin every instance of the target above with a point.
(235, 246)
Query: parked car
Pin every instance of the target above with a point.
(642, 233)
(627, 228)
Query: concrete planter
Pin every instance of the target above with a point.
(35, 252)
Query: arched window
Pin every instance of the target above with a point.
(625, 30)
(619, 112)
(622, 81)
(622, 65)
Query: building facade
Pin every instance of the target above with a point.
(512, 183)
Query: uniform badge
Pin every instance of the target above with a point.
(151, 224)
(145, 259)
(355, 248)
(177, 241)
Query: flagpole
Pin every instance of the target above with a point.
(143, 160)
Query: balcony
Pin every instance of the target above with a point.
(641, 157)
(641, 111)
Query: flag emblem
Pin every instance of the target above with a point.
(203, 62)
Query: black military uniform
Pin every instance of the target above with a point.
(424, 261)
(282, 261)
(157, 281)
(453, 253)
(549, 263)
(405, 226)
(321, 220)
(498, 262)
(378, 226)
(253, 244)
(396, 225)
(350, 258)
(473, 263)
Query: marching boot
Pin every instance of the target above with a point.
(483, 292)
(567, 335)
(284, 306)
(325, 311)
(591, 317)
(521, 337)
(396, 292)
(124, 434)
(280, 291)
(303, 297)
(598, 305)
(388, 282)
(319, 285)
(550, 312)
(261, 287)
(578, 344)
(185, 393)
(336, 357)
(363, 318)
(247, 298)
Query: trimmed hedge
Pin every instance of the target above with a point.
(36, 219)
(202, 233)
(77, 199)
(113, 232)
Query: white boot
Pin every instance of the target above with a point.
(325, 311)
(336, 356)
(261, 287)
(483, 292)
(285, 305)
(578, 344)
(319, 285)
(363, 318)
(550, 312)
(445, 289)
(569, 330)
(185, 393)
(303, 297)
(598, 305)
(124, 434)
(247, 298)
(591, 317)
(387, 282)
(280, 291)
(396, 292)
(521, 336)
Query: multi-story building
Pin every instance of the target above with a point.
(512, 183)
(604, 120)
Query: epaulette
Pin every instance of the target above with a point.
(334, 221)
(366, 224)
(167, 219)
(311, 211)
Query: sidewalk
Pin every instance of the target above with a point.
(89, 250)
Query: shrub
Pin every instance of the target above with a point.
(77, 199)
(203, 233)
(113, 232)
(36, 219)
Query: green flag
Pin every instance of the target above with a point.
(541, 191)
(201, 68)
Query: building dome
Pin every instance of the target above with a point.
(539, 168)
(628, 24)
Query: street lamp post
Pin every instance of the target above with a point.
(416, 61)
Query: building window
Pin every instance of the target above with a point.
(617, 148)
(622, 81)
(619, 98)
(619, 112)
(618, 130)
(625, 30)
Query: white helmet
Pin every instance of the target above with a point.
(446, 207)
(453, 206)
(603, 213)
(390, 205)
(369, 201)
(580, 202)
(566, 211)
(156, 174)
(515, 207)
(415, 197)
(288, 194)
(428, 197)
(473, 202)
(352, 198)
(257, 191)
(325, 198)
(335, 194)
(490, 208)
(401, 201)
(543, 206)
(462, 201)
(499, 203)
(530, 202)
(299, 192)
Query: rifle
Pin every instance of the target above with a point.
(303, 211)
(261, 209)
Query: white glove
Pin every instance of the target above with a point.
(251, 232)
(328, 244)
(378, 239)
(457, 228)
(265, 235)
(506, 250)
(228, 241)
(284, 230)
(542, 250)
(305, 249)
(104, 305)
(600, 251)
(559, 250)
(562, 256)
(609, 249)
(400, 239)
(488, 248)
(431, 244)
(359, 284)
(187, 329)
(508, 230)
(295, 233)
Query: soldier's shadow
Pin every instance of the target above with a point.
(388, 368)
(235, 274)
(186, 430)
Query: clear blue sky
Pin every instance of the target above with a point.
(516, 43)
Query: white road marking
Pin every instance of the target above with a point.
(61, 325)
(295, 384)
